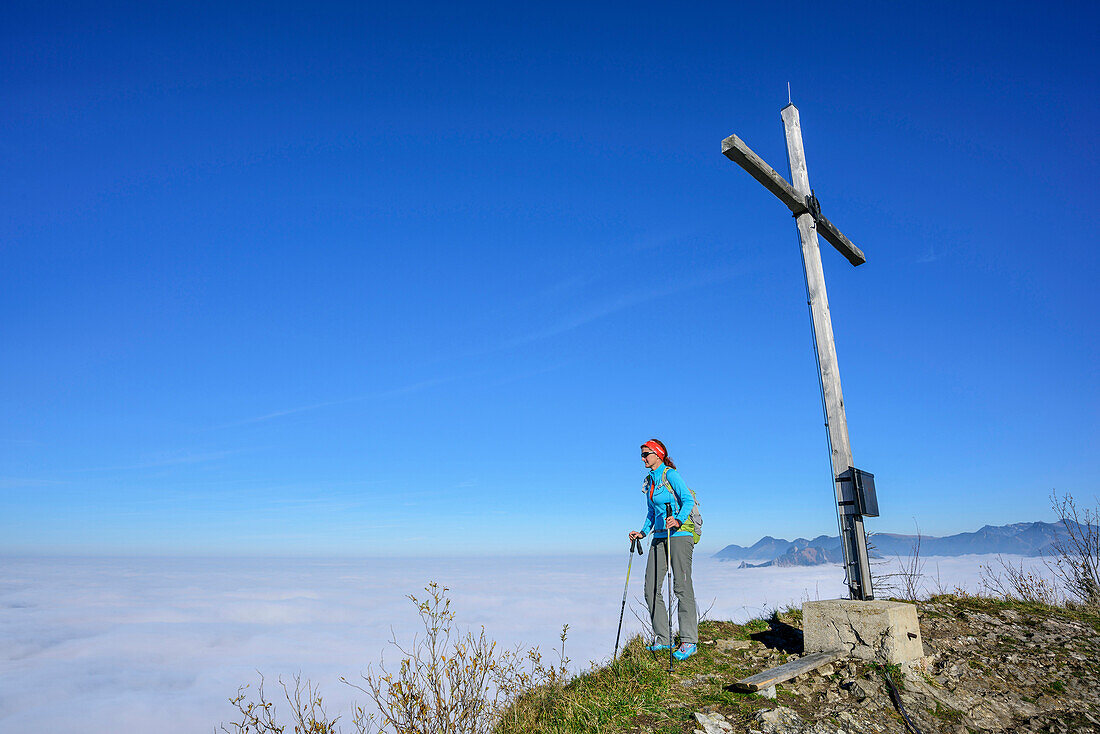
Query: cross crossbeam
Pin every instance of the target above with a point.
(735, 149)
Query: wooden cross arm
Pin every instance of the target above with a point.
(837, 239)
(735, 149)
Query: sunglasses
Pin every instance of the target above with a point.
(647, 453)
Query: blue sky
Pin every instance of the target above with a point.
(419, 279)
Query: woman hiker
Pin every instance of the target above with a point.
(663, 486)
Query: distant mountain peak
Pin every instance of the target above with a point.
(1022, 538)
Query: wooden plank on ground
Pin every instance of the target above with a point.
(786, 671)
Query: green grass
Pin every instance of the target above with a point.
(789, 615)
(637, 690)
(894, 671)
(753, 626)
(948, 714)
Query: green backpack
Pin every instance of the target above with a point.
(694, 525)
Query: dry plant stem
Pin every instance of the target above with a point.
(445, 683)
(454, 684)
(912, 570)
(640, 609)
(940, 587)
(703, 614)
(1010, 582)
(307, 712)
(881, 582)
(647, 624)
(1076, 559)
(307, 709)
(906, 582)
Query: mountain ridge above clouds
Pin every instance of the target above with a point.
(1022, 538)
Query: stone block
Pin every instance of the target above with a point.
(713, 723)
(886, 631)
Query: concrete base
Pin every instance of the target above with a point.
(886, 631)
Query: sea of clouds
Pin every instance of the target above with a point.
(102, 645)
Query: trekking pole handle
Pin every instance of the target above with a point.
(633, 543)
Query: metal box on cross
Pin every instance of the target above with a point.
(860, 485)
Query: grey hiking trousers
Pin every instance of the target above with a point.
(655, 570)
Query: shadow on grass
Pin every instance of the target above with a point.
(780, 636)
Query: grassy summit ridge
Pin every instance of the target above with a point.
(992, 665)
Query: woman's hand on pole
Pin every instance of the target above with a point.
(672, 523)
(634, 535)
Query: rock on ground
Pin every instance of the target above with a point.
(989, 667)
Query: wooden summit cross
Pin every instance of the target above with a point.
(854, 489)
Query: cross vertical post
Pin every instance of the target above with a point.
(853, 539)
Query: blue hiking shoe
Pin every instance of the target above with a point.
(657, 648)
(685, 651)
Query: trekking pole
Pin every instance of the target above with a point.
(668, 554)
(633, 542)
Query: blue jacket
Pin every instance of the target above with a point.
(662, 496)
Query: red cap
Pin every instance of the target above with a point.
(656, 448)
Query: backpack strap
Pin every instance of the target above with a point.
(664, 481)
